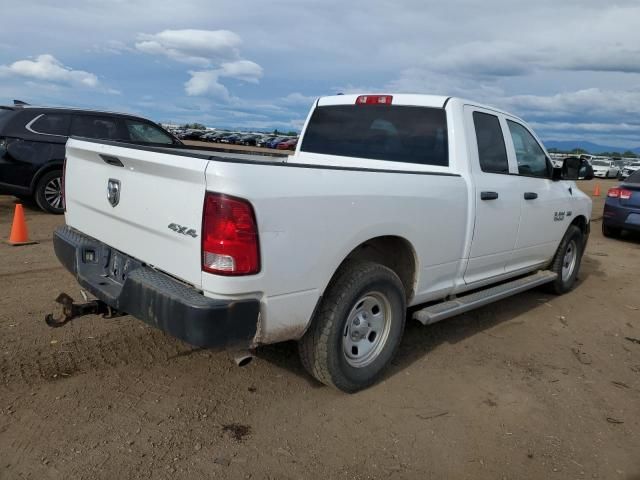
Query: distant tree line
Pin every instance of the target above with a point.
(580, 151)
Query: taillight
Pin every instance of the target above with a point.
(229, 236)
(617, 192)
(374, 100)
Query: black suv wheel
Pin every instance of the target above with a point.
(48, 193)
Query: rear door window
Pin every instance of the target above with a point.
(394, 133)
(145, 132)
(50, 124)
(492, 151)
(96, 126)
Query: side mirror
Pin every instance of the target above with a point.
(573, 169)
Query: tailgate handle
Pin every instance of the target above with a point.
(112, 160)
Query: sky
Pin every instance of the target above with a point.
(570, 68)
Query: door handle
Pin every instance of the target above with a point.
(488, 195)
(530, 195)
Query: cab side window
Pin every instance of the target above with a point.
(492, 152)
(532, 160)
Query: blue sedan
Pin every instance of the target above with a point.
(622, 207)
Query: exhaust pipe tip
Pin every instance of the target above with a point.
(242, 359)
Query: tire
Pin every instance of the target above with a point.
(566, 262)
(48, 193)
(610, 232)
(344, 348)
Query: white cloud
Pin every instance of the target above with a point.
(201, 48)
(49, 69)
(206, 83)
(242, 70)
(298, 99)
(590, 103)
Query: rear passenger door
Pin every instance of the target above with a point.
(545, 203)
(496, 194)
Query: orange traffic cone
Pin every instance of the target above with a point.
(596, 190)
(19, 233)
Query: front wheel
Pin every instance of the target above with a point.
(566, 262)
(357, 328)
(48, 192)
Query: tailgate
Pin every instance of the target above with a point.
(158, 215)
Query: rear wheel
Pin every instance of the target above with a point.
(610, 232)
(48, 192)
(357, 328)
(566, 262)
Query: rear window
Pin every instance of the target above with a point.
(394, 133)
(51, 124)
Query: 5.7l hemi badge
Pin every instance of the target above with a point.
(183, 230)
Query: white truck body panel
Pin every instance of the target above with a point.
(312, 210)
(156, 190)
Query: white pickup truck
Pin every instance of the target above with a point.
(389, 202)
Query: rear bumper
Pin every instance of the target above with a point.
(621, 216)
(180, 310)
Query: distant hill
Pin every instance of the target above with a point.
(568, 145)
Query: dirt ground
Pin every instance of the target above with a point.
(535, 386)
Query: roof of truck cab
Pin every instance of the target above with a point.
(398, 99)
(413, 99)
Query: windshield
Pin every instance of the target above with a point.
(600, 163)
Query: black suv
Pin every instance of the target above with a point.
(32, 145)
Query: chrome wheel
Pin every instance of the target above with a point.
(53, 192)
(367, 329)
(569, 261)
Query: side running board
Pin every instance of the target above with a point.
(440, 311)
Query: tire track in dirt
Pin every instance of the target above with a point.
(56, 362)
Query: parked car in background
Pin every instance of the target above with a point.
(274, 143)
(32, 142)
(628, 169)
(264, 141)
(605, 168)
(249, 140)
(622, 207)
(288, 144)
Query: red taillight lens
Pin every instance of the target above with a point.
(64, 173)
(229, 236)
(617, 192)
(374, 100)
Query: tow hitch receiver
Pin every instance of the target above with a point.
(72, 310)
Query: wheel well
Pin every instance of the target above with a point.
(393, 252)
(43, 171)
(581, 222)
